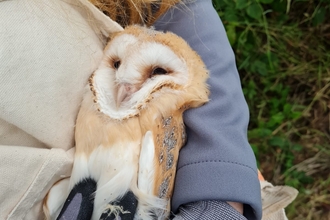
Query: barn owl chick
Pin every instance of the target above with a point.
(130, 129)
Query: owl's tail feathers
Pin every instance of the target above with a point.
(80, 202)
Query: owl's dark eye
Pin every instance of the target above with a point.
(159, 71)
(116, 64)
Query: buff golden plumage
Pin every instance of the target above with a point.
(130, 128)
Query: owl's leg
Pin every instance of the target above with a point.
(80, 202)
(146, 164)
(116, 171)
(150, 206)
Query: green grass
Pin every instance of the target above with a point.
(283, 56)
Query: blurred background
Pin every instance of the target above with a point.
(282, 50)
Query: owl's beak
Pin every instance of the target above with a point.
(124, 92)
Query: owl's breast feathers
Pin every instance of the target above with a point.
(94, 129)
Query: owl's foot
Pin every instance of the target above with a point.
(123, 210)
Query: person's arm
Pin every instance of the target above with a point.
(217, 163)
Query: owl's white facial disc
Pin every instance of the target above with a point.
(131, 74)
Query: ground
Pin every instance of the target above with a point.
(283, 56)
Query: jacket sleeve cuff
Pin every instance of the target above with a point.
(217, 185)
(205, 210)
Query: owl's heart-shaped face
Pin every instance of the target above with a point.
(133, 71)
(138, 66)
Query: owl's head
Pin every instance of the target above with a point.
(143, 66)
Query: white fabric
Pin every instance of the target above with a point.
(48, 49)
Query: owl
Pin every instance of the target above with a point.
(130, 129)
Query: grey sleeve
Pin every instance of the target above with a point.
(217, 163)
(206, 210)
